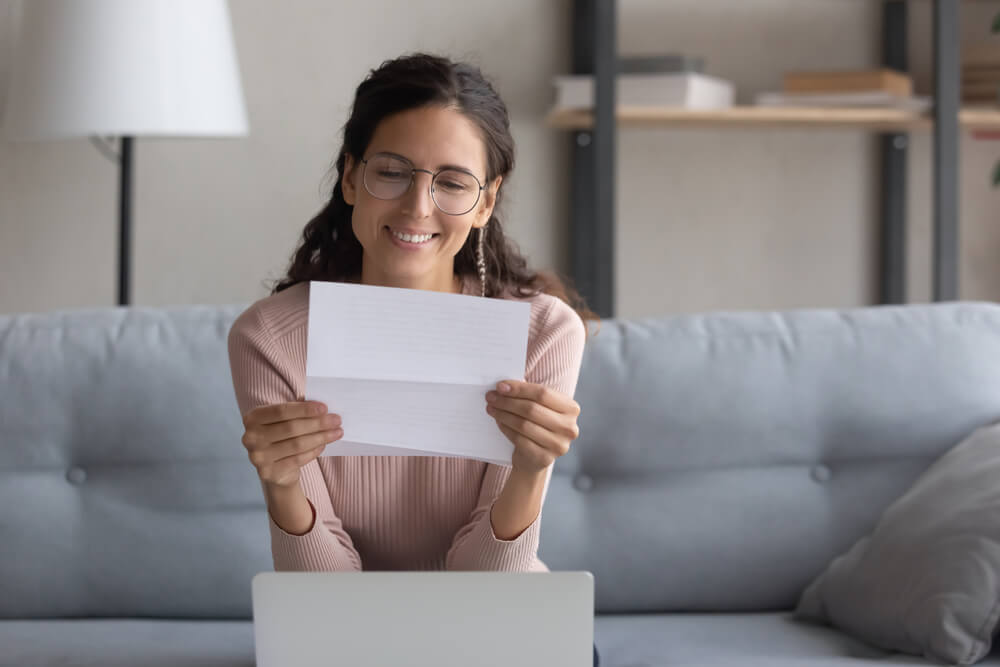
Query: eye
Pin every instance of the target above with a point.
(455, 182)
(452, 186)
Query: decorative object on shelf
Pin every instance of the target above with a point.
(670, 80)
(122, 68)
(876, 98)
(880, 88)
(849, 81)
(981, 73)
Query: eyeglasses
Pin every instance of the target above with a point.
(388, 176)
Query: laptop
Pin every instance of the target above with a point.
(439, 619)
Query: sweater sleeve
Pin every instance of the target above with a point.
(553, 361)
(262, 375)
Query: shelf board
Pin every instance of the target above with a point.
(979, 118)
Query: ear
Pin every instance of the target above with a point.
(489, 202)
(347, 179)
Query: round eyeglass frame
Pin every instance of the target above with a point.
(413, 172)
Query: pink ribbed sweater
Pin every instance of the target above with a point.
(393, 512)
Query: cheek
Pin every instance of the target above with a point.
(357, 216)
(364, 220)
(458, 231)
(356, 228)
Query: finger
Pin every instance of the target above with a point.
(539, 393)
(305, 443)
(561, 423)
(279, 412)
(273, 433)
(291, 448)
(302, 457)
(531, 410)
(288, 467)
(533, 431)
(537, 456)
(261, 437)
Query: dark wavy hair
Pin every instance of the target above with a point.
(329, 250)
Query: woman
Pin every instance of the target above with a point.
(426, 151)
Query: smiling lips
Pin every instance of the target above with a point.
(412, 239)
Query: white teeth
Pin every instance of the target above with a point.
(412, 238)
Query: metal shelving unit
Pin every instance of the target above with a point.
(594, 145)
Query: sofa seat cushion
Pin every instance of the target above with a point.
(126, 643)
(746, 640)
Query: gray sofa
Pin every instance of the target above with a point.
(725, 459)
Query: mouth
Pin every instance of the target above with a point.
(410, 240)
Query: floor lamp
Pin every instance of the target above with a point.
(124, 68)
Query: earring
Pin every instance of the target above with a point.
(481, 260)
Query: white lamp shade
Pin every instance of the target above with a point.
(124, 68)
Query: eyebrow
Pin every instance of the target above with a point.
(456, 167)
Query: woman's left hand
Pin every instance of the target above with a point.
(539, 421)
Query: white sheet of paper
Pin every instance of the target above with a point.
(408, 370)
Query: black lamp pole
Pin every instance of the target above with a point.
(124, 219)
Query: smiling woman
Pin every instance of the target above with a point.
(427, 149)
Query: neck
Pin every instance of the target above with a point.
(446, 282)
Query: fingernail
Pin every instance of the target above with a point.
(491, 396)
(504, 388)
(319, 408)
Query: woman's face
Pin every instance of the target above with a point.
(431, 138)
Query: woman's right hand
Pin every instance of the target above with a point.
(282, 438)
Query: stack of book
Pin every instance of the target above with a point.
(981, 74)
(847, 88)
(670, 80)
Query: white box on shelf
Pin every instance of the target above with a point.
(690, 90)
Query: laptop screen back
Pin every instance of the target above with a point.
(439, 619)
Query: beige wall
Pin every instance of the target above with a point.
(708, 219)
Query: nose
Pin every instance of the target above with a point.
(417, 201)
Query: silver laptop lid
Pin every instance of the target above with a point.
(439, 619)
